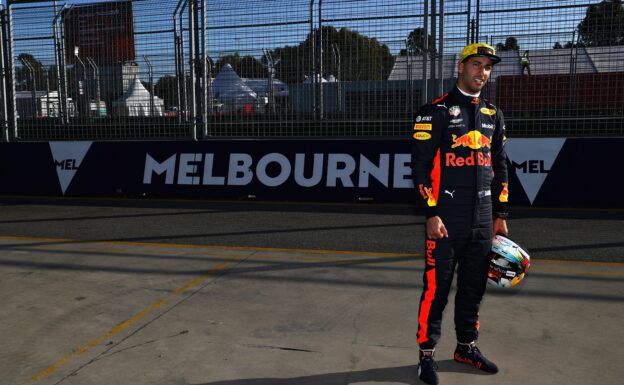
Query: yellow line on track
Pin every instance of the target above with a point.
(577, 263)
(281, 250)
(581, 272)
(209, 247)
(129, 322)
(43, 200)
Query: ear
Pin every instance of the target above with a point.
(460, 67)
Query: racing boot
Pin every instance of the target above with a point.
(471, 355)
(427, 367)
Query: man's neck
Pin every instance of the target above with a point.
(468, 93)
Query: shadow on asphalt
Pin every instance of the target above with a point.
(399, 375)
(294, 206)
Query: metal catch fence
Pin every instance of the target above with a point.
(198, 69)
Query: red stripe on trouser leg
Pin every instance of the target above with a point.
(425, 306)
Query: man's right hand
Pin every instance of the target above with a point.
(435, 228)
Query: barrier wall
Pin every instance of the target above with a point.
(544, 172)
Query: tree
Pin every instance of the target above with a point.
(572, 45)
(245, 66)
(361, 57)
(557, 46)
(511, 44)
(603, 24)
(416, 42)
(167, 88)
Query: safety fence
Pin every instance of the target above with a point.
(198, 69)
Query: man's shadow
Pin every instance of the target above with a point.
(400, 375)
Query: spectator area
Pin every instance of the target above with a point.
(543, 62)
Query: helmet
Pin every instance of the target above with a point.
(508, 262)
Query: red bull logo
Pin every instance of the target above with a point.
(427, 193)
(472, 139)
(504, 195)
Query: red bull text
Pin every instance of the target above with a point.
(479, 159)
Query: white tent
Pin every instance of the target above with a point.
(136, 102)
(261, 86)
(231, 90)
(309, 79)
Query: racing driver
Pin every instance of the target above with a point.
(460, 171)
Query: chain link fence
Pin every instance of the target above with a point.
(197, 69)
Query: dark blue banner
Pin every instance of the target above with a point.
(545, 172)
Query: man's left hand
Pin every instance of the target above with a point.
(499, 227)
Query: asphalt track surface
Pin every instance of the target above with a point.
(557, 233)
(160, 292)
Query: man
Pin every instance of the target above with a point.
(460, 171)
(526, 62)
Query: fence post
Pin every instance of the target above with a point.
(182, 75)
(150, 76)
(204, 67)
(468, 21)
(478, 21)
(320, 59)
(60, 67)
(425, 82)
(176, 54)
(433, 57)
(197, 73)
(441, 49)
(191, 104)
(3, 83)
(11, 68)
(96, 80)
(312, 59)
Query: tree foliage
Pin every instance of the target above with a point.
(245, 66)
(167, 88)
(603, 24)
(416, 43)
(569, 44)
(361, 57)
(511, 44)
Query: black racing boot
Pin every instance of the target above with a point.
(427, 367)
(471, 355)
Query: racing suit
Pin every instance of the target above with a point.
(460, 171)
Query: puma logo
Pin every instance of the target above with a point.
(449, 193)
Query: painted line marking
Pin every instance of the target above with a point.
(209, 247)
(578, 272)
(260, 250)
(130, 321)
(578, 263)
(42, 200)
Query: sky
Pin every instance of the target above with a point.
(249, 26)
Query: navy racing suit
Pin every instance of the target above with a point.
(460, 171)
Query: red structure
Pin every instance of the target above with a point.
(103, 32)
(555, 92)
